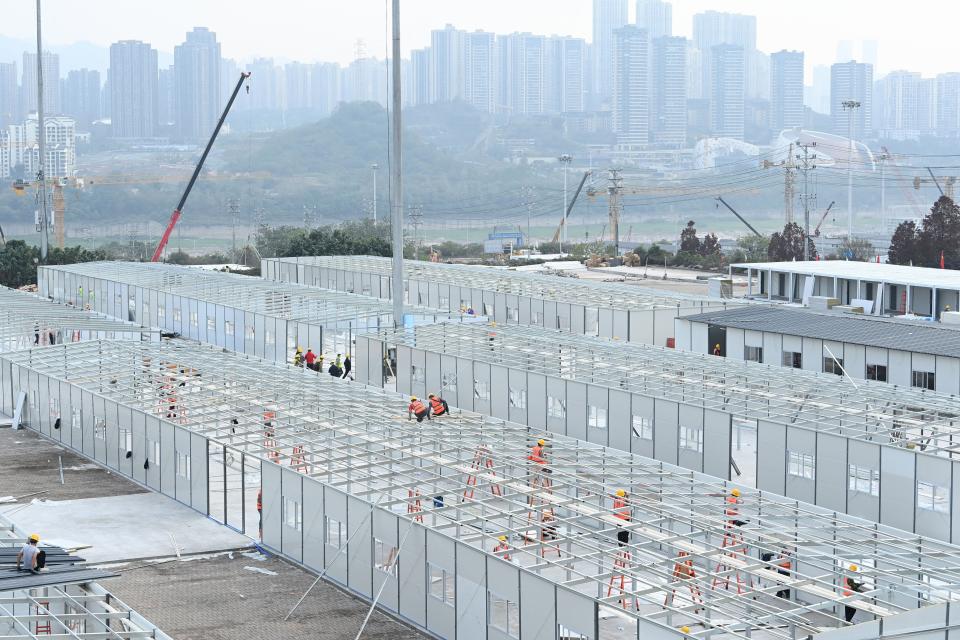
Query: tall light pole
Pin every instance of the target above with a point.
(564, 159)
(41, 141)
(374, 166)
(396, 175)
(850, 106)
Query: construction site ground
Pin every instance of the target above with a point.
(208, 591)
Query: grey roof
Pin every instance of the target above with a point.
(13, 580)
(917, 337)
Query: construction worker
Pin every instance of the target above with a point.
(716, 349)
(30, 557)
(347, 366)
(732, 512)
(851, 585)
(417, 408)
(335, 369)
(298, 357)
(260, 511)
(621, 511)
(310, 359)
(781, 562)
(502, 548)
(537, 454)
(438, 405)
(36, 333)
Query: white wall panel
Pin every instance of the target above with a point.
(537, 400)
(898, 487)
(771, 456)
(665, 430)
(272, 509)
(831, 471)
(717, 429)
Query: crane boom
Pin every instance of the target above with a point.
(816, 232)
(573, 200)
(175, 216)
(741, 218)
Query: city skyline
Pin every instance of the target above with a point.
(778, 27)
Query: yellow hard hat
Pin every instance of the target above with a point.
(718, 345)
(684, 629)
(853, 567)
(413, 398)
(541, 442)
(735, 493)
(299, 349)
(502, 538)
(34, 537)
(621, 493)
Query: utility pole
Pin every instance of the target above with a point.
(41, 141)
(529, 198)
(807, 159)
(233, 210)
(374, 166)
(416, 220)
(396, 175)
(789, 168)
(564, 159)
(616, 207)
(882, 159)
(850, 106)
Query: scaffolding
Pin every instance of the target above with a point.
(78, 611)
(358, 440)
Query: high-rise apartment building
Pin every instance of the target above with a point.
(668, 90)
(608, 16)
(446, 64)
(631, 87)
(419, 78)
(851, 81)
(564, 84)
(9, 94)
(656, 16)
(80, 95)
(712, 28)
(268, 82)
(51, 83)
(166, 105)
(60, 149)
(325, 87)
(296, 85)
(133, 89)
(521, 67)
(786, 90)
(196, 65)
(948, 105)
(727, 91)
(478, 73)
(905, 105)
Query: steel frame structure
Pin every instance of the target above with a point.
(77, 611)
(319, 436)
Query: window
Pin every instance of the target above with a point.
(125, 442)
(556, 408)
(211, 323)
(502, 615)
(597, 417)
(793, 359)
(75, 420)
(54, 409)
(833, 365)
(183, 465)
(924, 380)
(176, 314)
(161, 314)
(153, 449)
(800, 465)
(194, 322)
(753, 354)
(268, 338)
(99, 428)
(228, 327)
(481, 390)
(534, 317)
(864, 480)
(248, 333)
(487, 309)
(119, 299)
(293, 514)
(448, 383)
(441, 584)
(384, 557)
(518, 398)
(335, 533)
(444, 300)
(417, 374)
(691, 438)
(877, 372)
(933, 497)
(146, 309)
(642, 427)
(513, 314)
(566, 633)
(592, 322)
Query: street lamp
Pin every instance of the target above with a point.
(565, 159)
(374, 166)
(850, 106)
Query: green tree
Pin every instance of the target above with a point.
(754, 248)
(856, 249)
(18, 264)
(689, 241)
(940, 235)
(710, 245)
(903, 244)
(788, 244)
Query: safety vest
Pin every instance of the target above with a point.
(310, 357)
(716, 351)
(417, 407)
(784, 563)
(620, 508)
(732, 510)
(536, 455)
(437, 405)
(503, 546)
(260, 500)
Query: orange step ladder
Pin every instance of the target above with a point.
(683, 570)
(618, 579)
(43, 626)
(733, 547)
(414, 506)
(482, 461)
(548, 533)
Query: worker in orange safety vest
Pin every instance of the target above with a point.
(418, 409)
(621, 511)
(438, 405)
(850, 585)
(502, 548)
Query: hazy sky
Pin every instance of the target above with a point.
(920, 35)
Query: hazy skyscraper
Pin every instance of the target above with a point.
(268, 79)
(656, 16)
(133, 89)
(786, 90)
(325, 87)
(521, 69)
(196, 65)
(608, 16)
(713, 28)
(904, 105)
(51, 83)
(296, 85)
(816, 95)
(419, 77)
(631, 86)
(948, 105)
(166, 107)
(80, 95)
(726, 91)
(668, 88)
(851, 81)
(565, 87)
(9, 94)
(479, 87)
(446, 64)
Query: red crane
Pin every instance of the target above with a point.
(196, 172)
